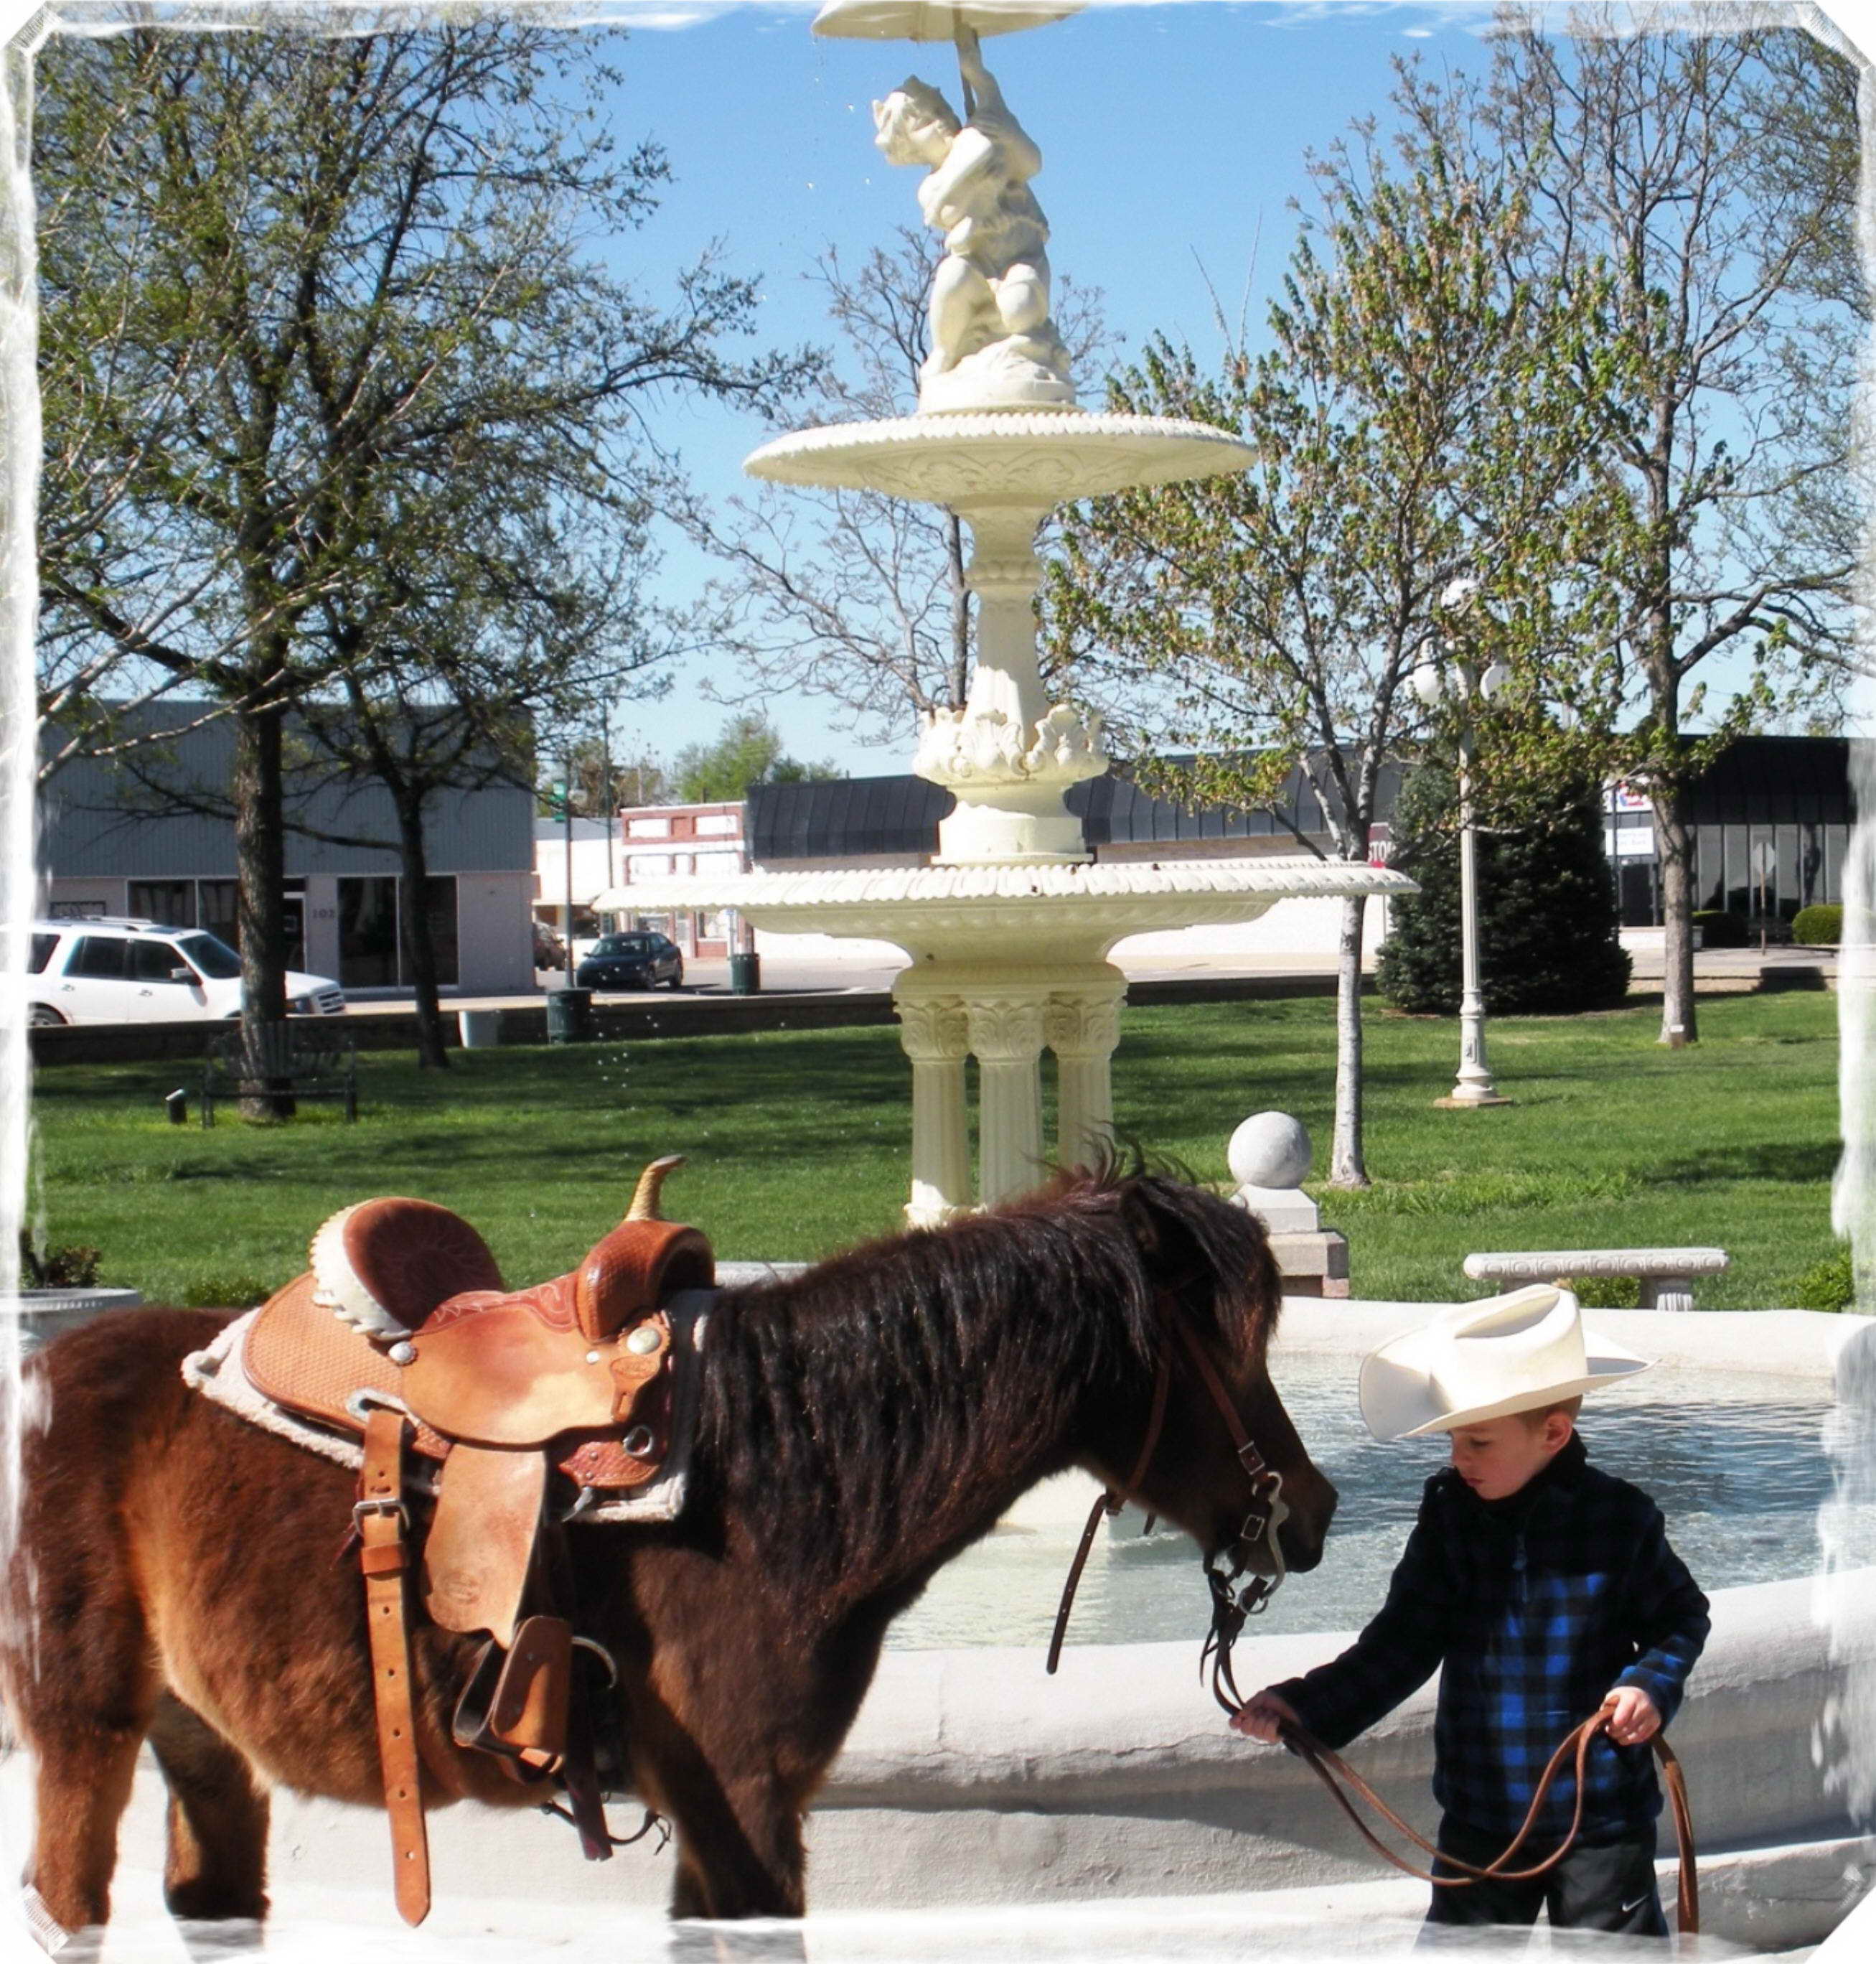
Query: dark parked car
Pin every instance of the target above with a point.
(549, 949)
(631, 962)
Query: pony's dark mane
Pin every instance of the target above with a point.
(840, 1406)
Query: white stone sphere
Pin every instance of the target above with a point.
(1269, 1149)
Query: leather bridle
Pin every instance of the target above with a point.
(1231, 1603)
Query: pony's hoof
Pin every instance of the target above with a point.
(204, 1901)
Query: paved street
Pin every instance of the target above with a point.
(1717, 971)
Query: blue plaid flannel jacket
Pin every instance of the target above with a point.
(1537, 1606)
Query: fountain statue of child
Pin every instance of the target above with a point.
(1547, 1591)
(992, 342)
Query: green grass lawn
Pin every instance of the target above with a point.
(798, 1143)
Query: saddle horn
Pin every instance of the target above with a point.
(640, 1262)
(651, 1181)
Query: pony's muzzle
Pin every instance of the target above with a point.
(1312, 1501)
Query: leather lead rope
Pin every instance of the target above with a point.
(384, 1558)
(1109, 1504)
(1334, 1771)
(1256, 1468)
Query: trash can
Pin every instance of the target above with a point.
(479, 1029)
(569, 1015)
(746, 975)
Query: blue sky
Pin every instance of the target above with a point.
(1173, 137)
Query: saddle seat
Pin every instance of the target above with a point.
(579, 1364)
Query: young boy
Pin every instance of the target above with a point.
(1546, 1588)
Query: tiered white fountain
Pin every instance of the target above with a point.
(1009, 929)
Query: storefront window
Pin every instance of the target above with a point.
(217, 908)
(168, 902)
(1811, 877)
(370, 950)
(1739, 879)
(367, 932)
(1785, 871)
(1709, 867)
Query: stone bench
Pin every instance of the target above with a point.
(1666, 1274)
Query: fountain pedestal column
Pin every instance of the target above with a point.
(934, 1031)
(1008, 755)
(1005, 1024)
(1082, 1026)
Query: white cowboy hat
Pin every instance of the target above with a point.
(1476, 1360)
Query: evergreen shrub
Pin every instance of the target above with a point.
(1830, 1284)
(219, 1290)
(1719, 928)
(1548, 931)
(1820, 926)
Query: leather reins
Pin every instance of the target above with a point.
(1331, 1768)
(1231, 1606)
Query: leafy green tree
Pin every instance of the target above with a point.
(1727, 432)
(1417, 415)
(748, 752)
(313, 309)
(1549, 938)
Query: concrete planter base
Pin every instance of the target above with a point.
(44, 1313)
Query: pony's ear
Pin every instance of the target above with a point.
(1211, 1257)
(1174, 1259)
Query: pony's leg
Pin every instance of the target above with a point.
(736, 1814)
(741, 1853)
(215, 1866)
(82, 1688)
(82, 1787)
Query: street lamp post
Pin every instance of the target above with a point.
(1460, 680)
(566, 912)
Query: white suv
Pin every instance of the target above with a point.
(116, 970)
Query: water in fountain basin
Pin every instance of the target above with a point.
(1736, 1462)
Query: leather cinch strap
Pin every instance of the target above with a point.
(384, 1558)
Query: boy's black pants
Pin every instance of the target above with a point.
(1610, 1888)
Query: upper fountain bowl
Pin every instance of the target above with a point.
(934, 19)
(1016, 459)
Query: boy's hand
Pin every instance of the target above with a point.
(1261, 1716)
(1633, 1720)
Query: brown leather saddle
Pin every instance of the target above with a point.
(403, 1333)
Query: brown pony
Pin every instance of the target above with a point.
(175, 1578)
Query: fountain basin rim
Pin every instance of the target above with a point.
(1002, 459)
(1044, 881)
(1803, 1343)
(1072, 911)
